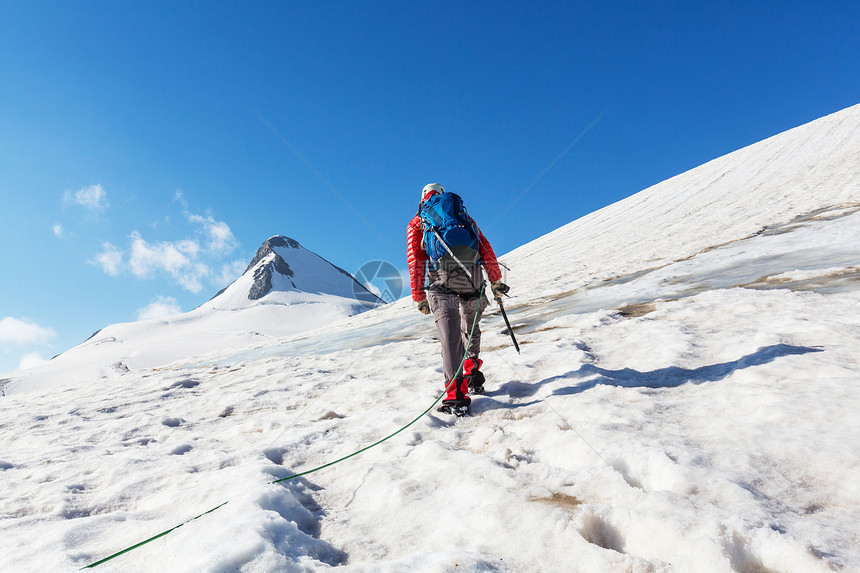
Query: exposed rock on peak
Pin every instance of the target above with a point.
(263, 274)
(263, 277)
(268, 247)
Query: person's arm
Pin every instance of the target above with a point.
(416, 257)
(491, 264)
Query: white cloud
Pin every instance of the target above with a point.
(229, 272)
(93, 197)
(188, 262)
(58, 231)
(176, 259)
(164, 306)
(191, 279)
(15, 331)
(110, 259)
(179, 198)
(221, 238)
(146, 258)
(189, 247)
(31, 360)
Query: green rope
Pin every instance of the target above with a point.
(337, 461)
(153, 538)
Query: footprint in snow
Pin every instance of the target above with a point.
(274, 455)
(597, 531)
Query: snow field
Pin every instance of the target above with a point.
(679, 440)
(685, 439)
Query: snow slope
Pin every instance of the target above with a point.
(771, 182)
(685, 400)
(285, 289)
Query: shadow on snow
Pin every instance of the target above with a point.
(670, 377)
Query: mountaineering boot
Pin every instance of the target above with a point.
(458, 410)
(457, 399)
(476, 382)
(474, 377)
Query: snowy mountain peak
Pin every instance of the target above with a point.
(282, 271)
(286, 289)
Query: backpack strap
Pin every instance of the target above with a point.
(430, 214)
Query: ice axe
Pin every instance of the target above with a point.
(508, 323)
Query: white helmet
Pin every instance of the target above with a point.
(430, 187)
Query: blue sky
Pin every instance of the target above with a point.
(146, 151)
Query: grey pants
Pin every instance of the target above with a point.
(454, 318)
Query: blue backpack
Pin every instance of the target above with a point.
(450, 236)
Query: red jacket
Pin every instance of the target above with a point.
(417, 258)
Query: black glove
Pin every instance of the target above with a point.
(499, 289)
